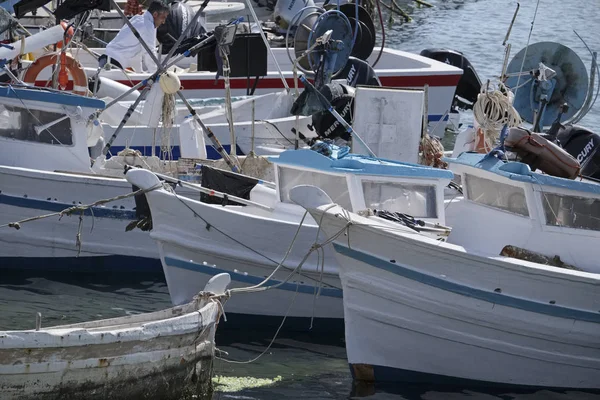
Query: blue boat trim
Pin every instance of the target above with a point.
(55, 206)
(390, 375)
(50, 96)
(249, 279)
(492, 297)
(119, 265)
(437, 117)
(211, 153)
(330, 328)
(357, 164)
(520, 172)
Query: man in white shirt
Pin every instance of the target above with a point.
(125, 50)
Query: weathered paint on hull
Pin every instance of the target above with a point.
(168, 360)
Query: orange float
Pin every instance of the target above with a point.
(68, 65)
(68, 35)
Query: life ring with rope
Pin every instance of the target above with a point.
(68, 65)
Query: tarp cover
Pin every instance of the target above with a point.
(180, 15)
(25, 6)
(70, 8)
(226, 182)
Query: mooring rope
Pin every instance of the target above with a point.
(315, 247)
(78, 208)
(492, 110)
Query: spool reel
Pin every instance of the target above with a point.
(553, 74)
(312, 22)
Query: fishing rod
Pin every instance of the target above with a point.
(160, 70)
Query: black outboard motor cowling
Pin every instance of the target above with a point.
(469, 84)
(341, 99)
(358, 72)
(584, 145)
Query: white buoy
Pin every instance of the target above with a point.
(169, 82)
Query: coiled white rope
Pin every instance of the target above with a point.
(492, 110)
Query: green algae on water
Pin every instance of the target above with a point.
(238, 383)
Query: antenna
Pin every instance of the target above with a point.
(508, 46)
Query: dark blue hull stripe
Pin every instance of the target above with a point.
(390, 375)
(96, 264)
(251, 280)
(437, 117)
(332, 328)
(492, 297)
(55, 206)
(211, 153)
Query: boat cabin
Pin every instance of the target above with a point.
(358, 182)
(505, 203)
(45, 129)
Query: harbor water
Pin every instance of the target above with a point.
(310, 366)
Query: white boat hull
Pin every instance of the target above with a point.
(166, 354)
(395, 69)
(51, 243)
(198, 240)
(421, 310)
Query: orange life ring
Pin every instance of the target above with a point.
(68, 63)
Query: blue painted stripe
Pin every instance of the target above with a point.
(117, 265)
(437, 117)
(211, 152)
(492, 297)
(249, 279)
(326, 329)
(47, 96)
(55, 206)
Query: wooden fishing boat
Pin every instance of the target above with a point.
(163, 355)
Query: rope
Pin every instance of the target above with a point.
(210, 226)
(272, 340)
(315, 247)
(77, 208)
(167, 117)
(287, 253)
(492, 110)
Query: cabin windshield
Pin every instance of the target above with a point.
(497, 195)
(19, 123)
(571, 211)
(335, 186)
(416, 200)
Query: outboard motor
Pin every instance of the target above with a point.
(584, 145)
(469, 84)
(580, 142)
(358, 72)
(341, 98)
